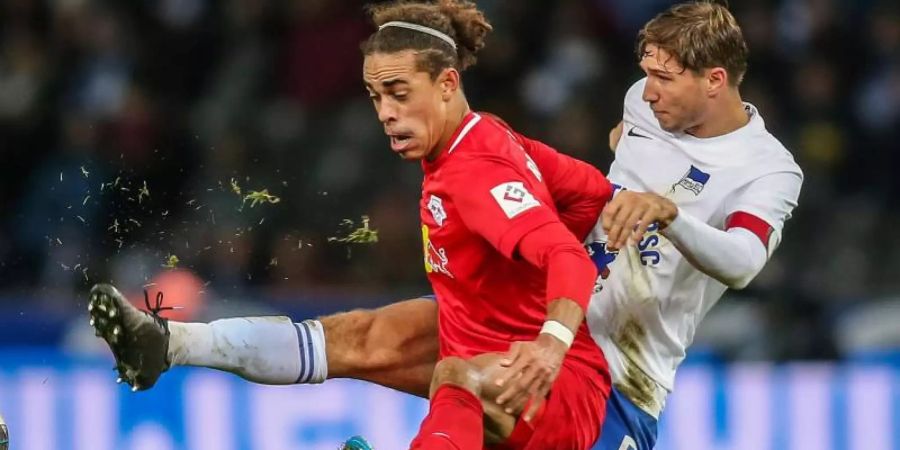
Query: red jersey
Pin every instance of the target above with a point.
(480, 196)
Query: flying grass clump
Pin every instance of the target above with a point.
(263, 196)
(360, 235)
(254, 197)
(171, 262)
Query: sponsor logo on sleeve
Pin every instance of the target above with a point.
(513, 198)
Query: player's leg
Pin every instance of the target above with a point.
(626, 426)
(455, 418)
(273, 350)
(394, 346)
(570, 417)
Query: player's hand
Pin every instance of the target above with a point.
(629, 214)
(531, 369)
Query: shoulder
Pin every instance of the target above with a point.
(637, 112)
(488, 141)
(636, 91)
(489, 132)
(770, 154)
(773, 177)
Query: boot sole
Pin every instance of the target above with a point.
(107, 321)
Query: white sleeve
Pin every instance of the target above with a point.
(733, 257)
(736, 256)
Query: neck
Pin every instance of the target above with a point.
(729, 116)
(457, 110)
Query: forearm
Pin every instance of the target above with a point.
(570, 280)
(732, 257)
(570, 273)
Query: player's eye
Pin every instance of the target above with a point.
(401, 96)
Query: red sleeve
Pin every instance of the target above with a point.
(497, 201)
(579, 190)
(570, 272)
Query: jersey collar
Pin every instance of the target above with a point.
(468, 122)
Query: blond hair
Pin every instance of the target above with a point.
(699, 35)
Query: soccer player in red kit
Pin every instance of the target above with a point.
(504, 268)
(511, 280)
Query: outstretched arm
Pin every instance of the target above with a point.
(733, 255)
(752, 230)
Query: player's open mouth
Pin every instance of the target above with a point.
(400, 142)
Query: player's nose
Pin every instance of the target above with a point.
(387, 113)
(649, 95)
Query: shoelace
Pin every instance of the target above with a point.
(158, 308)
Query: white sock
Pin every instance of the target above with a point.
(268, 350)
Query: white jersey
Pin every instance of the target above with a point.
(649, 299)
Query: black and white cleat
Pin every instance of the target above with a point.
(139, 340)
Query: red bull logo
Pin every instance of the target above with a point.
(435, 258)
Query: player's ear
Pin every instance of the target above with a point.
(716, 80)
(448, 81)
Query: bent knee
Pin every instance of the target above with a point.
(453, 370)
(456, 371)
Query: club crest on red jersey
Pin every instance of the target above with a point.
(436, 206)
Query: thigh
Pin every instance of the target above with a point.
(395, 345)
(574, 411)
(571, 415)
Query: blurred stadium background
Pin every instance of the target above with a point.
(126, 127)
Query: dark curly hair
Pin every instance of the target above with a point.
(459, 19)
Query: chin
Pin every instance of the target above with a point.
(411, 155)
(670, 127)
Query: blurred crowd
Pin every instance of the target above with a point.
(132, 133)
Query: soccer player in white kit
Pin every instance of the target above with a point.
(721, 188)
(704, 194)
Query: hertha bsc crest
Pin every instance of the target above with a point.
(694, 180)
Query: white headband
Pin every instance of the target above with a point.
(422, 29)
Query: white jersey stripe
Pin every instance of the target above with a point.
(475, 118)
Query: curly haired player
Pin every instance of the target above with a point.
(718, 191)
